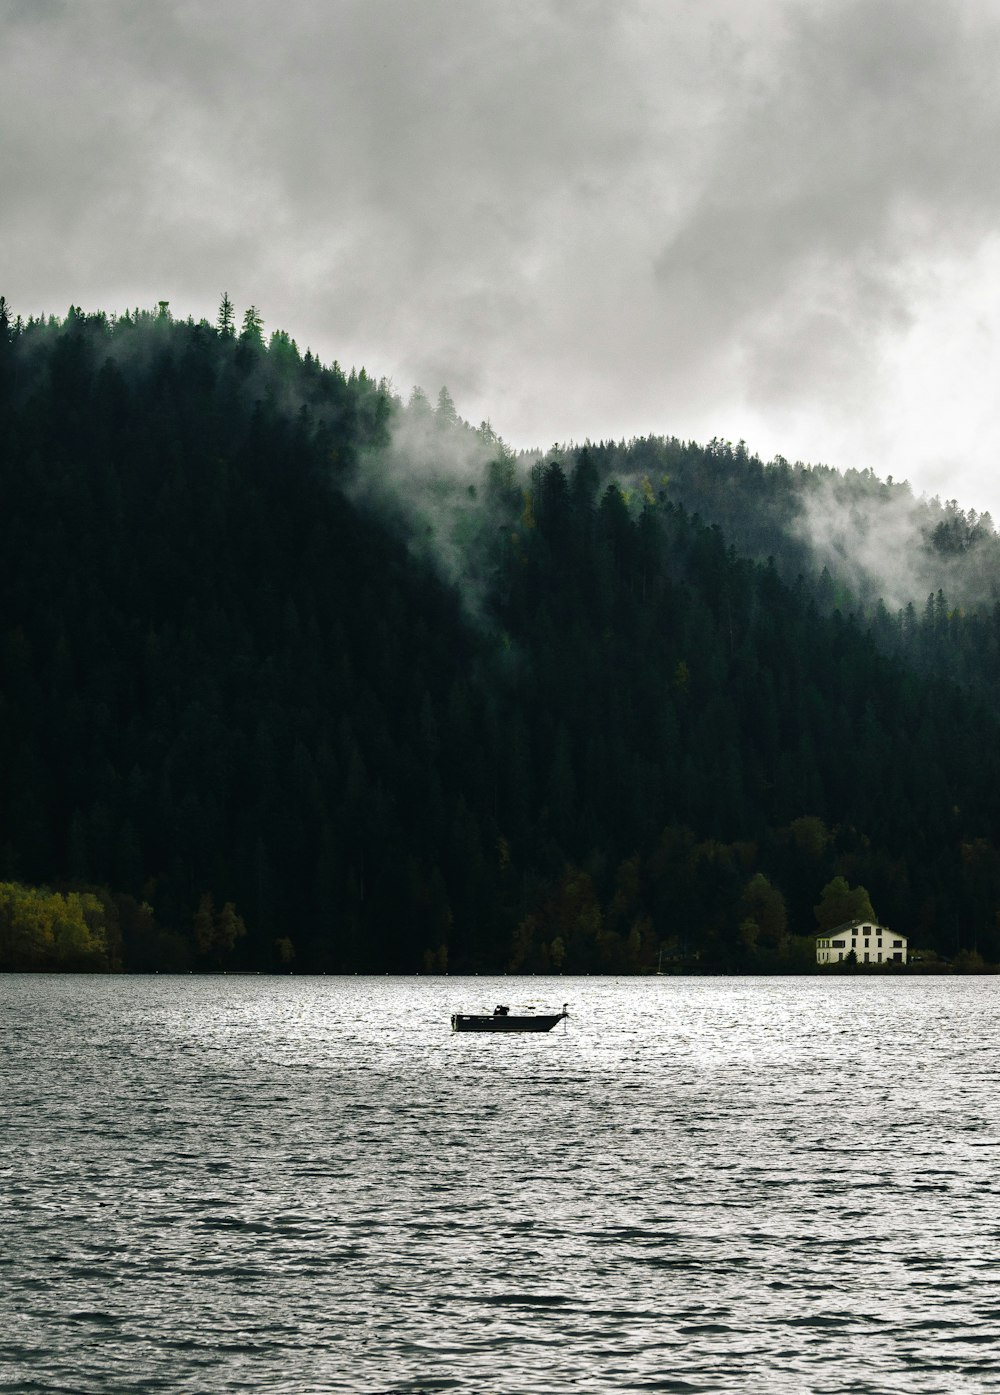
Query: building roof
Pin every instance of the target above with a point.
(850, 926)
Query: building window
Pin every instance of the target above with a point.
(897, 944)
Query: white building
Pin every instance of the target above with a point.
(872, 944)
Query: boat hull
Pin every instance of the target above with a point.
(487, 1022)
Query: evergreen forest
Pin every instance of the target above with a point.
(298, 675)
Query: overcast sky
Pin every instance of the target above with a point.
(768, 219)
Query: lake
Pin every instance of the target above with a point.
(236, 1184)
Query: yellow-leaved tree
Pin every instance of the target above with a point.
(43, 929)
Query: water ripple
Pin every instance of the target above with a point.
(310, 1187)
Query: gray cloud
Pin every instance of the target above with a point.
(587, 218)
(867, 151)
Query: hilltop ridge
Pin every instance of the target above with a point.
(275, 640)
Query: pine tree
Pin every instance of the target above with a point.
(227, 316)
(445, 410)
(253, 327)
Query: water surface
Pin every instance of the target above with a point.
(310, 1185)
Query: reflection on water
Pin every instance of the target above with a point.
(311, 1185)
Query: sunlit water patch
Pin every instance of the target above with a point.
(311, 1185)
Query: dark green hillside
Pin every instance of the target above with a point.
(859, 539)
(293, 674)
(213, 665)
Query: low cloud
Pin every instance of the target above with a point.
(429, 477)
(884, 543)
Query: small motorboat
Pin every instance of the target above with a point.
(501, 1019)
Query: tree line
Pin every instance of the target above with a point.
(248, 707)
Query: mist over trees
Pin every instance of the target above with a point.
(297, 674)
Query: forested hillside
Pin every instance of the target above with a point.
(293, 674)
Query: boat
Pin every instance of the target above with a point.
(501, 1019)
